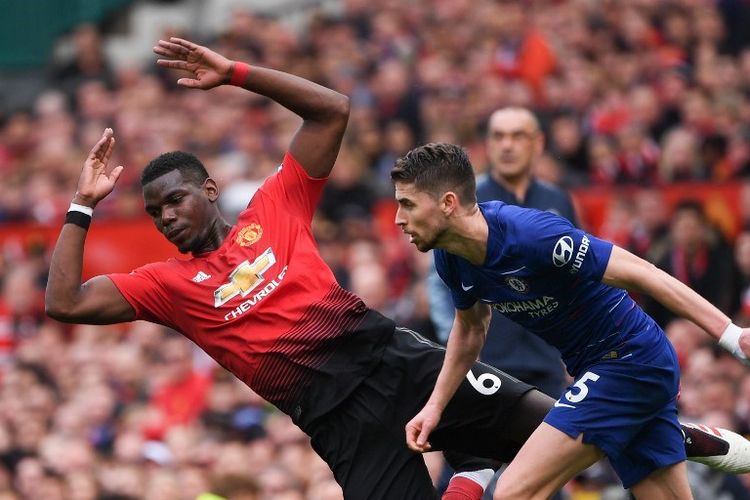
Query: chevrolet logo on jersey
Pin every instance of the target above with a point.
(245, 278)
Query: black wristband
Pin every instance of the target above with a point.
(80, 219)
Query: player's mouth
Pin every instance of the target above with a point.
(174, 234)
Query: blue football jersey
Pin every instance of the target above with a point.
(545, 274)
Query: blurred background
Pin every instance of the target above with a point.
(645, 105)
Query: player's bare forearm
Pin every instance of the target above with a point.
(628, 271)
(98, 300)
(464, 344)
(685, 302)
(64, 282)
(325, 112)
(461, 353)
(305, 98)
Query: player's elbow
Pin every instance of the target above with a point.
(56, 313)
(59, 310)
(340, 107)
(331, 111)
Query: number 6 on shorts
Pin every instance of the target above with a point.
(583, 390)
(478, 383)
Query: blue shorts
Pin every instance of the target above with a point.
(626, 405)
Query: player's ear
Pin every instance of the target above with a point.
(211, 189)
(448, 202)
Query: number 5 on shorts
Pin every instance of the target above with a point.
(583, 390)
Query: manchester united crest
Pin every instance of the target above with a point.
(517, 284)
(249, 235)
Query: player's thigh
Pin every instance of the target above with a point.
(548, 460)
(409, 370)
(377, 476)
(490, 415)
(627, 409)
(658, 446)
(368, 459)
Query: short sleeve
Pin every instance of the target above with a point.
(143, 289)
(293, 189)
(548, 243)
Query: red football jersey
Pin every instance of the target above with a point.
(265, 305)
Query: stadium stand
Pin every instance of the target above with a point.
(646, 106)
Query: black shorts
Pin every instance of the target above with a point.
(363, 439)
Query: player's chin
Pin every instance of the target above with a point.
(184, 247)
(424, 246)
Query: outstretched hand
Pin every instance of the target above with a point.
(95, 184)
(419, 428)
(209, 68)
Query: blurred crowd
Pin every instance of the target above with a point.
(643, 93)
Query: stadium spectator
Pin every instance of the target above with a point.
(699, 256)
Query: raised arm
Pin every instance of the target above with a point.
(324, 112)
(630, 272)
(98, 300)
(465, 341)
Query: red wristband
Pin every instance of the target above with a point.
(240, 71)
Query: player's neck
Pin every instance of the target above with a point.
(217, 233)
(467, 236)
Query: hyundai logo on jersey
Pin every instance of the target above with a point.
(563, 251)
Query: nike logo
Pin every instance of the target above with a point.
(558, 404)
(466, 288)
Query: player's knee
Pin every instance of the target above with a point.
(669, 483)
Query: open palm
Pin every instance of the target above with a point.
(209, 68)
(94, 183)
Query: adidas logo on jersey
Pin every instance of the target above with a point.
(201, 276)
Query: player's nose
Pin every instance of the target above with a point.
(400, 220)
(168, 216)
